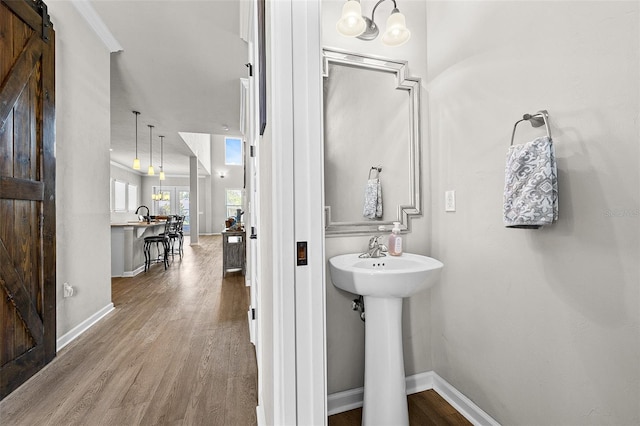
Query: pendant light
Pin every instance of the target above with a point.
(151, 172)
(136, 161)
(162, 176)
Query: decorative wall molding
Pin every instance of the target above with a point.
(348, 400)
(76, 331)
(96, 23)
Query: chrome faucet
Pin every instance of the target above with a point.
(376, 248)
(148, 216)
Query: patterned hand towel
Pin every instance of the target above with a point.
(531, 185)
(373, 199)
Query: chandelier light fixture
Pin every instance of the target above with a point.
(150, 172)
(162, 176)
(160, 195)
(353, 24)
(136, 161)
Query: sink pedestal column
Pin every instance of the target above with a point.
(385, 394)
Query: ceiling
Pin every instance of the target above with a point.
(180, 67)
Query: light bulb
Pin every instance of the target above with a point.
(351, 23)
(396, 33)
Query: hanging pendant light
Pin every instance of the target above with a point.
(136, 161)
(151, 172)
(162, 176)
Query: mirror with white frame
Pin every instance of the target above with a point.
(371, 121)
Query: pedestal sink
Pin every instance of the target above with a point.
(383, 282)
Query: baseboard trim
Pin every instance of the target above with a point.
(260, 418)
(129, 274)
(76, 331)
(348, 400)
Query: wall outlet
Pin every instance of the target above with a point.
(450, 201)
(68, 290)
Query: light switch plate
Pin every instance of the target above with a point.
(450, 201)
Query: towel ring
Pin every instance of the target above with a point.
(378, 169)
(538, 119)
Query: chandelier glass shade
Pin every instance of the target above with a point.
(353, 24)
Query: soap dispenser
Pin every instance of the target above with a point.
(395, 240)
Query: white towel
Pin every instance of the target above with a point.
(373, 199)
(531, 185)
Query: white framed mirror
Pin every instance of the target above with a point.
(371, 120)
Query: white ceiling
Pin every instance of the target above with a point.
(181, 65)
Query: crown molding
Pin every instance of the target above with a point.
(96, 23)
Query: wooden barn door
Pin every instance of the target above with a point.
(27, 192)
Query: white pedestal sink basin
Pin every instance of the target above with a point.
(383, 282)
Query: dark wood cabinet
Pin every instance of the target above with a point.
(233, 251)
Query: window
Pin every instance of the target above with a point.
(234, 201)
(132, 201)
(183, 208)
(120, 196)
(233, 152)
(175, 200)
(164, 205)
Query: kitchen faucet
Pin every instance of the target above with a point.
(148, 216)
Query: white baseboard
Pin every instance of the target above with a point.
(262, 421)
(133, 273)
(76, 331)
(464, 405)
(348, 400)
(340, 402)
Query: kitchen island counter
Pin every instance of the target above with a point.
(127, 240)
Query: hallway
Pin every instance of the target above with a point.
(175, 350)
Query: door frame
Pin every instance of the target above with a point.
(299, 291)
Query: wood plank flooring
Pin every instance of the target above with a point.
(175, 351)
(425, 409)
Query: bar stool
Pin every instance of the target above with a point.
(178, 235)
(158, 240)
(175, 234)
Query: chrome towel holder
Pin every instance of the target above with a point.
(377, 169)
(537, 120)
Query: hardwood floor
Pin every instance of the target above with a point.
(176, 350)
(425, 409)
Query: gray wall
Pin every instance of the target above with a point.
(537, 327)
(345, 330)
(82, 150)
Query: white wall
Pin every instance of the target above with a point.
(345, 330)
(82, 151)
(537, 326)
